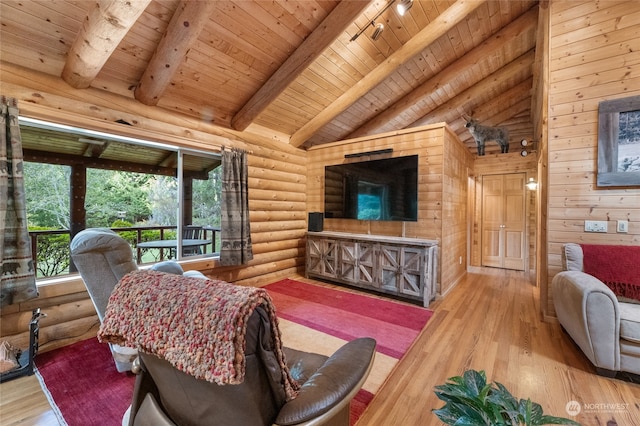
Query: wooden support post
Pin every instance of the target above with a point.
(187, 212)
(78, 192)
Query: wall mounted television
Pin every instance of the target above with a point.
(385, 189)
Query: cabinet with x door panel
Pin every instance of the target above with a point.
(403, 267)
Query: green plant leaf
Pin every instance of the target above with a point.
(471, 401)
(457, 413)
(464, 421)
(447, 415)
(501, 396)
(475, 382)
(530, 412)
(465, 397)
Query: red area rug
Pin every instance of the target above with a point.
(83, 385)
(348, 316)
(85, 389)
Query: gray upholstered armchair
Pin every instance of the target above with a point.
(606, 327)
(103, 258)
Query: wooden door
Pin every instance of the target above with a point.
(503, 221)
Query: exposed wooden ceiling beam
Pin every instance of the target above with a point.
(470, 98)
(95, 150)
(434, 30)
(171, 160)
(487, 49)
(102, 31)
(186, 24)
(311, 48)
(50, 101)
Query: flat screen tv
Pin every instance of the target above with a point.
(384, 189)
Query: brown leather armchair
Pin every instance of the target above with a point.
(164, 395)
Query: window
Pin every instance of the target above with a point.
(164, 200)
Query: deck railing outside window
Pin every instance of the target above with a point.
(51, 254)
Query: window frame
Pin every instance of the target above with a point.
(151, 142)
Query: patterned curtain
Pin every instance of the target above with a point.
(235, 231)
(18, 280)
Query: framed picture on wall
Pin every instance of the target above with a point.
(619, 142)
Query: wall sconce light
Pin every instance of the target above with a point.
(404, 6)
(523, 144)
(532, 185)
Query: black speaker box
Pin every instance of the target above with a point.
(316, 221)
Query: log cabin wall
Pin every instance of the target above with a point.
(593, 56)
(443, 163)
(277, 196)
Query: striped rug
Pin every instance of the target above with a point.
(85, 389)
(320, 319)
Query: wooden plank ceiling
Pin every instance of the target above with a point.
(292, 66)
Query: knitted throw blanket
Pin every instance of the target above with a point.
(616, 266)
(197, 325)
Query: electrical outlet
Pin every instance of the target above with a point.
(595, 226)
(623, 226)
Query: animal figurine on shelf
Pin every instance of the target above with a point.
(482, 134)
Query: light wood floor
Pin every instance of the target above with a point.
(490, 321)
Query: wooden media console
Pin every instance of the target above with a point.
(404, 267)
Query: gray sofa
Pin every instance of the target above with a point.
(604, 326)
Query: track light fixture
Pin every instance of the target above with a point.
(404, 6)
(378, 31)
(379, 27)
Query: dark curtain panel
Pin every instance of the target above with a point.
(235, 231)
(18, 280)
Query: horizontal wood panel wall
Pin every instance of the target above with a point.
(277, 196)
(594, 56)
(443, 164)
(457, 167)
